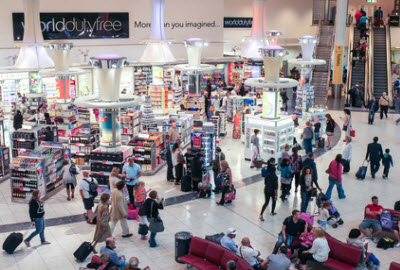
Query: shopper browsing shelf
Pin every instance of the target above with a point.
(68, 174)
(173, 133)
(131, 172)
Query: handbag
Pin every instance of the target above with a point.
(156, 224)
(344, 128)
(314, 192)
(231, 195)
(328, 171)
(181, 158)
(212, 108)
(352, 133)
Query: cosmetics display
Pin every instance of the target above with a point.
(82, 144)
(130, 125)
(195, 105)
(159, 99)
(184, 124)
(222, 122)
(4, 163)
(33, 100)
(25, 140)
(146, 149)
(83, 116)
(236, 103)
(64, 116)
(177, 97)
(38, 169)
(143, 78)
(148, 118)
(215, 120)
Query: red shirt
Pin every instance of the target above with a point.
(358, 15)
(373, 208)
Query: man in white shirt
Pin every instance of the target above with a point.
(248, 254)
(228, 242)
(87, 195)
(37, 116)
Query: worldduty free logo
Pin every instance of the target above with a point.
(77, 25)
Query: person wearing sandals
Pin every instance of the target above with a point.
(88, 199)
(226, 175)
(102, 231)
(36, 213)
(330, 129)
(271, 187)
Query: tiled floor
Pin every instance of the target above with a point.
(203, 217)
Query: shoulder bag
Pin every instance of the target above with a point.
(156, 224)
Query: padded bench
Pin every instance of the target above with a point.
(342, 256)
(394, 266)
(207, 255)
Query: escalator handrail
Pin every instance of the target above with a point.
(350, 61)
(389, 64)
(369, 64)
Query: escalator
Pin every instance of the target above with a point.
(380, 79)
(358, 70)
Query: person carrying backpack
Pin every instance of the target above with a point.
(88, 190)
(68, 174)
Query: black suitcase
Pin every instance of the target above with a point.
(12, 242)
(362, 171)
(321, 143)
(186, 184)
(83, 251)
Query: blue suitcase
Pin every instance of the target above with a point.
(362, 171)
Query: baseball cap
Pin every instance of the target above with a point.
(231, 231)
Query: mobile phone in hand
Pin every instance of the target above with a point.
(146, 268)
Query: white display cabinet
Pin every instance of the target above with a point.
(317, 112)
(274, 134)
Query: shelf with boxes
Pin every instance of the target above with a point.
(4, 163)
(130, 125)
(159, 99)
(222, 122)
(184, 124)
(83, 116)
(143, 77)
(39, 169)
(101, 163)
(178, 96)
(33, 102)
(146, 149)
(65, 118)
(195, 105)
(82, 144)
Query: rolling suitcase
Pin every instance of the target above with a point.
(362, 171)
(12, 242)
(186, 184)
(83, 251)
(321, 143)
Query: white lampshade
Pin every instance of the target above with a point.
(307, 44)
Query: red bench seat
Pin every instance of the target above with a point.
(394, 266)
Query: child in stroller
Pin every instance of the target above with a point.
(334, 219)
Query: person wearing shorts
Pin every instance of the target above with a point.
(371, 220)
(88, 199)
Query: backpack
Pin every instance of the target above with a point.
(386, 220)
(164, 153)
(385, 243)
(92, 187)
(72, 170)
(216, 238)
(397, 206)
(264, 172)
(395, 222)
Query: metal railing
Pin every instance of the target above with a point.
(389, 65)
(349, 62)
(369, 67)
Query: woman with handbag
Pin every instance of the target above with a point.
(237, 133)
(226, 175)
(271, 187)
(335, 177)
(286, 178)
(150, 208)
(177, 161)
(346, 122)
(330, 129)
(307, 189)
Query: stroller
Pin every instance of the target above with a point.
(334, 220)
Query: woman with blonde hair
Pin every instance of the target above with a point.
(69, 179)
(115, 177)
(103, 230)
(36, 213)
(319, 251)
(226, 175)
(119, 210)
(237, 133)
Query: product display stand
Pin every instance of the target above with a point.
(178, 96)
(25, 140)
(107, 73)
(194, 70)
(36, 170)
(236, 103)
(130, 125)
(305, 92)
(317, 112)
(215, 121)
(275, 131)
(82, 144)
(148, 118)
(4, 163)
(146, 149)
(184, 124)
(33, 101)
(159, 99)
(222, 122)
(143, 77)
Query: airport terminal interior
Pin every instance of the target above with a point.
(213, 134)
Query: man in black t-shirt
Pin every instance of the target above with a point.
(292, 226)
(317, 127)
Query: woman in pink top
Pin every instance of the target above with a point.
(335, 177)
(236, 126)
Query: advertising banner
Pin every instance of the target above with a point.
(106, 129)
(238, 22)
(89, 25)
(269, 105)
(337, 65)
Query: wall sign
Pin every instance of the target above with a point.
(238, 22)
(92, 25)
